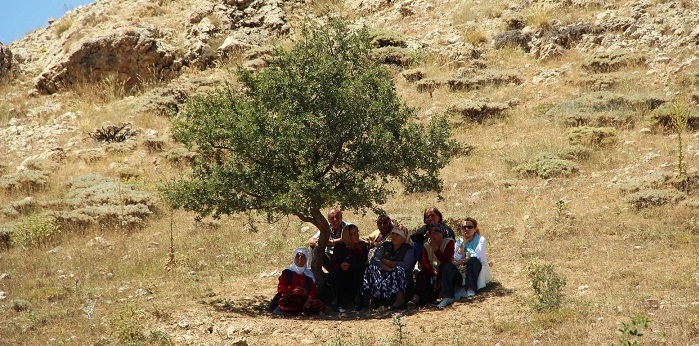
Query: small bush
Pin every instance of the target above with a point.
(613, 61)
(179, 156)
(547, 166)
(428, 85)
(393, 55)
(547, 285)
(603, 108)
(413, 75)
(385, 38)
(661, 119)
(113, 133)
(654, 197)
(479, 111)
(154, 144)
(28, 181)
(591, 136)
(512, 39)
(96, 200)
(128, 326)
(20, 305)
(24, 206)
(35, 231)
(575, 153)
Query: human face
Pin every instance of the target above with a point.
(431, 216)
(383, 225)
(436, 235)
(300, 259)
(468, 230)
(335, 218)
(397, 240)
(354, 235)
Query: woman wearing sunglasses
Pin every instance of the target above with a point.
(471, 260)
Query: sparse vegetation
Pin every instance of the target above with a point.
(104, 265)
(547, 285)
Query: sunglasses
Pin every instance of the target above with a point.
(468, 227)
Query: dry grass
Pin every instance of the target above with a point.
(618, 262)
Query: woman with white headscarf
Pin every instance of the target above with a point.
(386, 278)
(297, 291)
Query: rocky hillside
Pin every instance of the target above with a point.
(565, 109)
(179, 45)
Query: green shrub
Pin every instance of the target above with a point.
(613, 61)
(661, 119)
(654, 197)
(384, 38)
(591, 136)
(28, 181)
(95, 200)
(547, 285)
(575, 153)
(479, 111)
(546, 168)
(179, 156)
(393, 55)
(604, 108)
(128, 326)
(630, 331)
(483, 79)
(20, 305)
(35, 231)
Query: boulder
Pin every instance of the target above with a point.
(129, 56)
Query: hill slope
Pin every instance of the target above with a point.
(564, 108)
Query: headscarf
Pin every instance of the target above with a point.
(301, 270)
(403, 232)
(347, 238)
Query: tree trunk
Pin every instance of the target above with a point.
(317, 265)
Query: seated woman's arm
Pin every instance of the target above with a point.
(378, 255)
(480, 250)
(406, 261)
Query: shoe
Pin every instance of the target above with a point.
(394, 307)
(470, 293)
(445, 302)
(278, 311)
(412, 304)
(459, 293)
(338, 308)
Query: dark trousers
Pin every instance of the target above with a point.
(450, 277)
(425, 287)
(473, 269)
(347, 283)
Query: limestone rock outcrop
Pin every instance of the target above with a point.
(129, 56)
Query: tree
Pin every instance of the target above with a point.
(321, 126)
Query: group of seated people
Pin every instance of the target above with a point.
(382, 268)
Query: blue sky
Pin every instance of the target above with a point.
(19, 17)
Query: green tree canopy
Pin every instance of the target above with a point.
(321, 126)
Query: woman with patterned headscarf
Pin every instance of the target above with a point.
(386, 277)
(296, 291)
